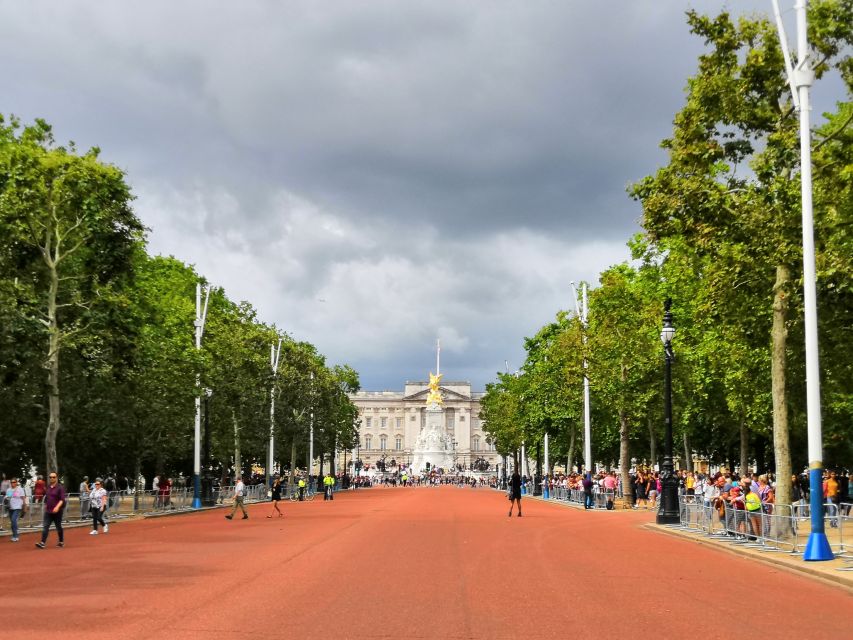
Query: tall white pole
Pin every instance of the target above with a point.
(817, 547)
(582, 309)
(275, 353)
(801, 79)
(311, 433)
(437, 356)
(547, 457)
(200, 315)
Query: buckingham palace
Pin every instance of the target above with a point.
(392, 420)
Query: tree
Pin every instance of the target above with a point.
(74, 212)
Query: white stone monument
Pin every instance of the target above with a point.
(433, 445)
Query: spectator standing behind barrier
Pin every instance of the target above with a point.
(98, 500)
(17, 499)
(515, 492)
(110, 487)
(164, 492)
(39, 490)
(239, 489)
(54, 503)
(155, 488)
(587, 489)
(84, 498)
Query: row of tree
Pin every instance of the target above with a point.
(97, 356)
(722, 238)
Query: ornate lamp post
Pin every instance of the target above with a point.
(668, 513)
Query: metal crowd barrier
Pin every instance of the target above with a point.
(122, 505)
(774, 528)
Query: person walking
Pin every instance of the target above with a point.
(239, 490)
(54, 499)
(276, 497)
(515, 492)
(85, 490)
(98, 502)
(328, 486)
(17, 499)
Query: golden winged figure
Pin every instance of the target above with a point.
(434, 396)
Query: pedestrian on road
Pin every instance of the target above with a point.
(515, 493)
(301, 489)
(54, 499)
(98, 502)
(85, 490)
(328, 486)
(276, 497)
(239, 489)
(17, 498)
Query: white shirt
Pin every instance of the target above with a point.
(97, 496)
(239, 488)
(16, 497)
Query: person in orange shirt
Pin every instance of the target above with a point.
(831, 496)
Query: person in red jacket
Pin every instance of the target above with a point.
(39, 490)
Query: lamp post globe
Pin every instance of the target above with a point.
(668, 512)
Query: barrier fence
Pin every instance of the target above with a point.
(600, 497)
(774, 528)
(122, 505)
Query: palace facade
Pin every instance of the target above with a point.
(392, 420)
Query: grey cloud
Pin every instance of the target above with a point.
(424, 166)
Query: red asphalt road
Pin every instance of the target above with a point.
(403, 563)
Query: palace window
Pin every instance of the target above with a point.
(368, 442)
(383, 422)
(398, 443)
(475, 443)
(461, 417)
(399, 423)
(383, 440)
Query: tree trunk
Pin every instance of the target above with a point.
(688, 455)
(744, 447)
(573, 434)
(238, 462)
(52, 373)
(779, 336)
(292, 465)
(625, 459)
(653, 443)
(137, 471)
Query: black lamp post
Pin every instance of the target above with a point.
(668, 512)
(207, 497)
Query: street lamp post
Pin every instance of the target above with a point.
(200, 317)
(668, 513)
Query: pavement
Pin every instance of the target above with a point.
(405, 562)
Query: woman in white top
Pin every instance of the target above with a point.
(98, 502)
(17, 503)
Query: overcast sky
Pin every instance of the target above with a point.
(372, 175)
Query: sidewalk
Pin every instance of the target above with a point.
(838, 572)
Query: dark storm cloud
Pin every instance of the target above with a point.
(425, 167)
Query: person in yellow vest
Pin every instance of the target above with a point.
(328, 484)
(753, 507)
(301, 486)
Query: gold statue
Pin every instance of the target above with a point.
(434, 396)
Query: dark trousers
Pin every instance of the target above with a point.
(97, 518)
(329, 495)
(587, 499)
(56, 519)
